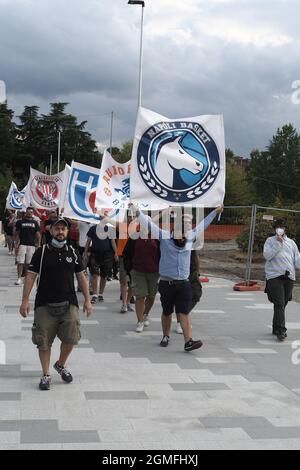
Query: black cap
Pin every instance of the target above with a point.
(60, 220)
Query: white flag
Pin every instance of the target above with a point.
(15, 199)
(113, 187)
(63, 194)
(179, 162)
(43, 191)
(80, 195)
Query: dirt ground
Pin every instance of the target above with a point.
(225, 260)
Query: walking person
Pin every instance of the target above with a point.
(8, 226)
(56, 310)
(27, 239)
(102, 253)
(141, 260)
(282, 257)
(174, 269)
(195, 284)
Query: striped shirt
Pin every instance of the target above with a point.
(281, 257)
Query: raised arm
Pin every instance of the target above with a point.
(148, 224)
(194, 234)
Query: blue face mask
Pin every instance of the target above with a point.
(57, 244)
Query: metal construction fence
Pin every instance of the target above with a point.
(234, 246)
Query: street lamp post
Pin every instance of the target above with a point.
(58, 151)
(111, 131)
(142, 3)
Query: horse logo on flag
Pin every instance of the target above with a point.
(178, 160)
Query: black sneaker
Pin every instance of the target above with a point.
(165, 341)
(45, 382)
(63, 372)
(281, 336)
(94, 299)
(100, 298)
(191, 345)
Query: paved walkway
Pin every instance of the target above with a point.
(240, 391)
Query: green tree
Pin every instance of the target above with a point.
(123, 154)
(76, 143)
(8, 132)
(238, 192)
(275, 172)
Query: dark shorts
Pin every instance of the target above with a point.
(101, 264)
(178, 296)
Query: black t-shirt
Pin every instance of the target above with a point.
(98, 245)
(27, 229)
(56, 282)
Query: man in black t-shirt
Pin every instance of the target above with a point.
(56, 310)
(102, 254)
(27, 240)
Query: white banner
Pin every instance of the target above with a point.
(63, 194)
(43, 191)
(113, 187)
(80, 194)
(15, 199)
(178, 162)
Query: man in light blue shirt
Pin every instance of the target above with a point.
(174, 270)
(282, 257)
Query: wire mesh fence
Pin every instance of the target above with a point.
(234, 246)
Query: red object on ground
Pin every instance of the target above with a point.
(203, 279)
(246, 286)
(222, 233)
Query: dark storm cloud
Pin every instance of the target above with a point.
(238, 58)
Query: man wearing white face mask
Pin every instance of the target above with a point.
(282, 257)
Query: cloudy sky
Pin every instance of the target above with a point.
(236, 57)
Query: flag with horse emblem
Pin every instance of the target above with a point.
(15, 199)
(114, 186)
(43, 191)
(178, 162)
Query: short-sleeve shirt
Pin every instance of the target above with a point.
(27, 228)
(56, 283)
(98, 245)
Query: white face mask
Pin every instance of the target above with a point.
(280, 231)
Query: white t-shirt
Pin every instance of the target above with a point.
(83, 228)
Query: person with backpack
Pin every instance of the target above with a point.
(141, 261)
(56, 311)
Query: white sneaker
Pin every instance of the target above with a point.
(139, 327)
(178, 329)
(18, 282)
(146, 320)
(123, 309)
(129, 308)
